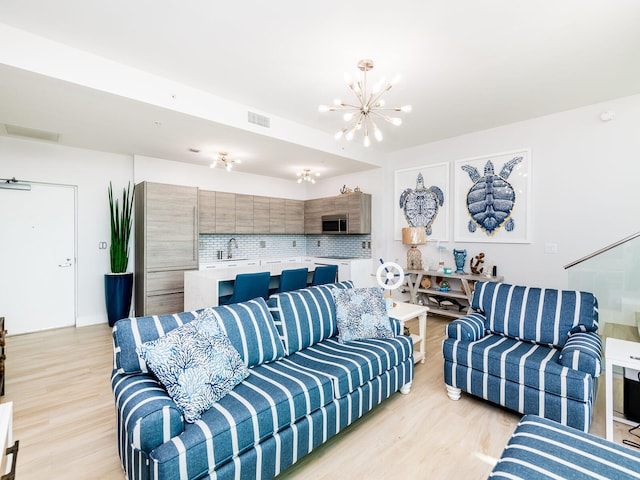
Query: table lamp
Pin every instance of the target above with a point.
(414, 236)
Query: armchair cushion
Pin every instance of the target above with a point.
(583, 351)
(468, 328)
(544, 316)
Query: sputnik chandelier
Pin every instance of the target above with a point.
(224, 160)
(307, 176)
(370, 107)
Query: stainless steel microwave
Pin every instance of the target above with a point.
(334, 224)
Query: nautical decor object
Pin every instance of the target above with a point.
(460, 257)
(491, 198)
(420, 206)
(476, 264)
(414, 236)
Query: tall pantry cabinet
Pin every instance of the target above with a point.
(166, 244)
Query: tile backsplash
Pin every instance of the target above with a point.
(262, 246)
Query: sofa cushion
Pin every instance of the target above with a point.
(129, 333)
(350, 366)
(361, 313)
(524, 363)
(273, 397)
(196, 363)
(540, 315)
(250, 327)
(305, 317)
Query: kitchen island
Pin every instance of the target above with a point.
(203, 288)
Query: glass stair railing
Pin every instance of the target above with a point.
(612, 274)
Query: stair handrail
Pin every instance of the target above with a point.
(602, 250)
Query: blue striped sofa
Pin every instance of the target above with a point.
(532, 350)
(304, 387)
(541, 449)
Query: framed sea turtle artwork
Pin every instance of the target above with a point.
(492, 198)
(421, 199)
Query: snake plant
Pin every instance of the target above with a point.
(121, 223)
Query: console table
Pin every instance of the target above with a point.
(458, 296)
(624, 354)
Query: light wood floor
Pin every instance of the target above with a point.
(64, 417)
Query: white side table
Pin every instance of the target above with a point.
(406, 311)
(624, 354)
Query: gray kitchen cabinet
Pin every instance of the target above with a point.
(293, 216)
(225, 212)
(261, 207)
(244, 213)
(276, 215)
(313, 211)
(207, 211)
(166, 245)
(359, 210)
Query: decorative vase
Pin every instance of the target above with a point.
(460, 256)
(118, 288)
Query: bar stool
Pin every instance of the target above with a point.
(324, 274)
(293, 279)
(248, 286)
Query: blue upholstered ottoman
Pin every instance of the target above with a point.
(543, 449)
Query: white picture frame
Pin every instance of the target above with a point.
(433, 175)
(518, 176)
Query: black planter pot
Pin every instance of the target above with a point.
(117, 295)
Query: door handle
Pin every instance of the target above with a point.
(66, 264)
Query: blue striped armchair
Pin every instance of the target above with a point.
(532, 350)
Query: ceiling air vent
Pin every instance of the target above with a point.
(32, 133)
(259, 119)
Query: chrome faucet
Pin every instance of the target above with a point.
(231, 240)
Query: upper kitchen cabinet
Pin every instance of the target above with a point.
(225, 212)
(244, 214)
(276, 215)
(166, 244)
(293, 216)
(261, 207)
(313, 211)
(207, 211)
(359, 210)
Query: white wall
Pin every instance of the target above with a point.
(584, 188)
(91, 172)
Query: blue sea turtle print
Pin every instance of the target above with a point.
(491, 198)
(420, 206)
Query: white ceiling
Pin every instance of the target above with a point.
(466, 66)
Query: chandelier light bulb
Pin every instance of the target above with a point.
(323, 108)
(377, 133)
(360, 115)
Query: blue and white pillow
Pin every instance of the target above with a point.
(196, 363)
(361, 313)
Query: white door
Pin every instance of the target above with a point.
(37, 258)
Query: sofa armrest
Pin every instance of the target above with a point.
(147, 417)
(396, 326)
(468, 328)
(583, 351)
